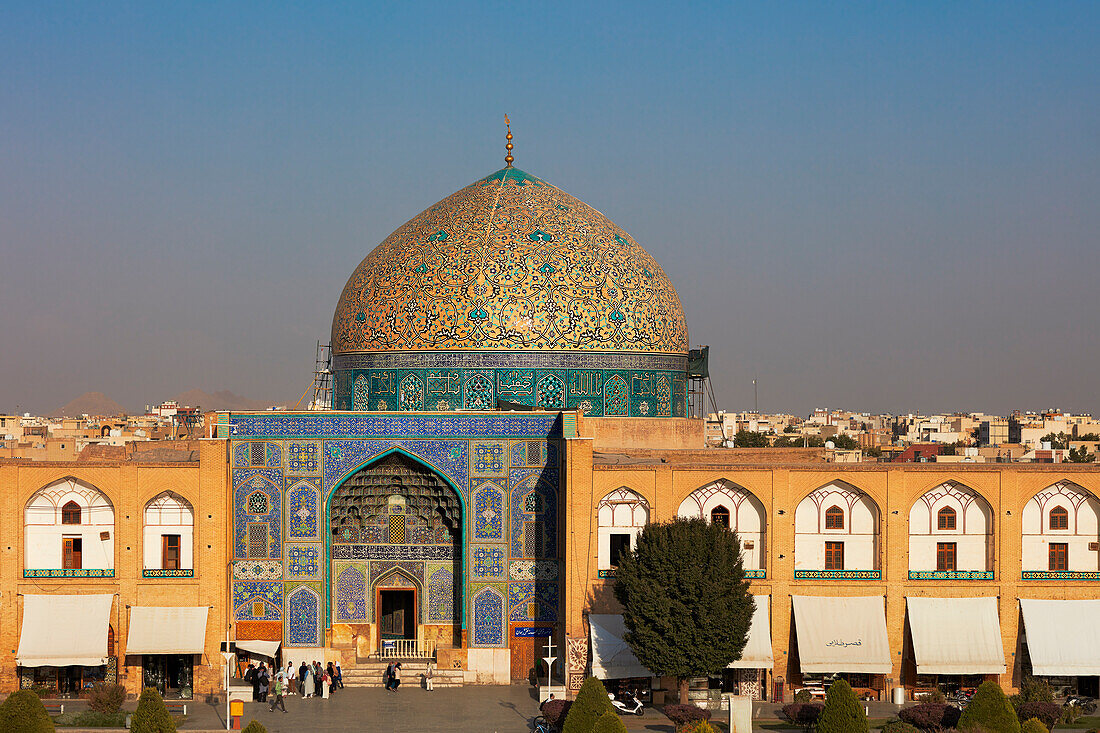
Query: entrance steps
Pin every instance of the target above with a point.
(369, 673)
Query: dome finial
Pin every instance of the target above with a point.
(508, 158)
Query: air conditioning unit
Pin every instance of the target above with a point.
(104, 536)
(1094, 546)
(749, 544)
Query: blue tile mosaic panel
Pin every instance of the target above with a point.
(303, 561)
(302, 618)
(441, 595)
(302, 511)
(489, 512)
(541, 598)
(351, 424)
(344, 457)
(488, 617)
(247, 593)
(488, 562)
(303, 458)
(488, 459)
(351, 595)
(266, 483)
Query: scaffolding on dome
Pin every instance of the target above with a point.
(700, 390)
(322, 380)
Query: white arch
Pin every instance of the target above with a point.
(1083, 509)
(45, 536)
(858, 535)
(620, 516)
(168, 515)
(972, 534)
(747, 516)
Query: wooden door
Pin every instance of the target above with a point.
(71, 552)
(170, 552)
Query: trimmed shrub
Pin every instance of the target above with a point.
(555, 711)
(151, 716)
(254, 726)
(803, 696)
(106, 697)
(590, 704)
(899, 726)
(930, 716)
(1032, 690)
(609, 723)
(934, 695)
(1070, 714)
(702, 727)
(1048, 713)
(23, 711)
(802, 714)
(1034, 725)
(990, 711)
(842, 712)
(685, 716)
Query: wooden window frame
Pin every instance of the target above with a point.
(612, 555)
(946, 519)
(72, 553)
(68, 511)
(1058, 556)
(720, 515)
(165, 547)
(834, 517)
(947, 556)
(1063, 518)
(834, 551)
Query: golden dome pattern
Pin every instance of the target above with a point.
(509, 263)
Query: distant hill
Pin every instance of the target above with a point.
(220, 400)
(90, 403)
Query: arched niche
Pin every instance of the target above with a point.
(950, 532)
(54, 544)
(724, 499)
(847, 546)
(1059, 525)
(168, 533)
(620, 516)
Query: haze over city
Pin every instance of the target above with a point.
(885, 208)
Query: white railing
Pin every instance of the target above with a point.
(406, 649)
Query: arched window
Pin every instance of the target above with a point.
(720, 515)
(169, 530)
(1059, 518)
(945, 518)
(834, 517)
(621, 515)
(70, 513)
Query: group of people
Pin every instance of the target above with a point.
(308, 680)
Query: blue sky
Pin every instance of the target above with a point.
(879, 206)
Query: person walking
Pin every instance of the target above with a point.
(326, 683)
(428, 678)
(303, 679)
(331, 672)
(291, 677)
(253, 679)
(278, 688)
(264, 679)
(339, 676)
(395, 678)
(387, 676)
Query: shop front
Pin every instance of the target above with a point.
(955, 644)
(66, 643)
(748, 676)
(840, 637)
(1061, 643)
(168, 640)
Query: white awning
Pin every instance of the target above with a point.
(838, 634)
(758, 649)
(612, 657)
(59, 631)
(167, 630)
(262, 648)
(1063, 637)
(956, 635)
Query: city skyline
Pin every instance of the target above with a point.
(888, 209)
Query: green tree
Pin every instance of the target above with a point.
(686, 603)
(609, 723)
(23, 711)
(1058, 441)
(842, 712)
(1081, 455)
(874, 452)
(844, 442)
(750, 439)
(591, 704)
(151, 716)
(989, 711)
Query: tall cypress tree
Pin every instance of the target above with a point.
(686, 603)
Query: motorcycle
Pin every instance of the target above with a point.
(626, 703)
(1087, 704)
